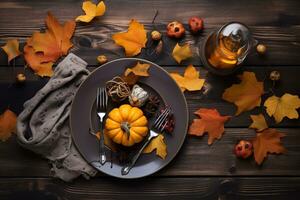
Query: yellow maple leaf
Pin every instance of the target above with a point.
(181, 53)
(259, 122)
(285, 106)
(140, 69)
(11, 48)
(158, 144)
(91, 11)
(190, 80)
(8, 121)
(245, 95)
(133, 40)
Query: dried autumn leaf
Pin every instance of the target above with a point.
(159, 145)
(107, 141)
(190, 80)
(130, 79)
(11, 48)
(133, 40)
(36, 63)
(140, 69)
(266, 142)
(247, 94)
(8, 121)
(211, 122)
(91, 11)
(181, 53)
(43, 49)
(285, 106)
(259, 122)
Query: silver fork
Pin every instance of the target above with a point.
(157, 128)
(101, 102)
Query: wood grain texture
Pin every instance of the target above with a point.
(273, 22)
(199, 171)
(151, 188)
(16, 95)
(195, 158)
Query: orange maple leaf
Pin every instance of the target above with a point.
(133, 40)
(42, 50)
(266, 142)
(247, 94)
(211, 122)
(8, 121)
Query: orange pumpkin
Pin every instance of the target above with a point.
(126, 125)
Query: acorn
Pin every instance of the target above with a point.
(274, 75)
(155, 35)
(102, 59)
(21, 78)
(261, 49)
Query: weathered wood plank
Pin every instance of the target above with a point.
(16, 95)
(196, 158)
(274, 23)
(152, 188)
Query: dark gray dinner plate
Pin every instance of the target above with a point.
(83, 115)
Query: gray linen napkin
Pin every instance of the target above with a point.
(43, 126)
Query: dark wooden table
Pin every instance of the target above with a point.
(199, 171)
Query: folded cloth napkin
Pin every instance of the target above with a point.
(43, 126)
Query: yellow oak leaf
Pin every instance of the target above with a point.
(140, 69)
(285, 106)
(11, 48)
(42, 50)
(266, 142)
(159, 145)
(181, 53)
(133, 40)
(190, 80)
(8, 121)
(259, 122)
(245, 95)
(211, 122)
(91, 11)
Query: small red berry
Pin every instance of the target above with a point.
(195, 24)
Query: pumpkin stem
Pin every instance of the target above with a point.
(125, 126)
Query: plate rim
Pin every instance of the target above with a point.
(181, 94)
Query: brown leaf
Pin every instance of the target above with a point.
(211, 122)
(266, 142)
(8, 121)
